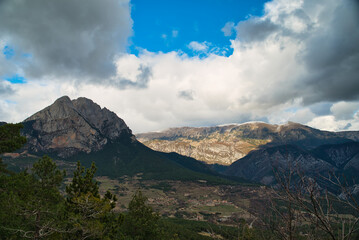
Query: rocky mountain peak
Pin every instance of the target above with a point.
(67, 127)
(107, 122)
(61, 108)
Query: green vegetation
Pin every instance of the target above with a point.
(10, 139)
(141, 222)
(33, 206)
(123, 158)
(201, 230)
(164, 186)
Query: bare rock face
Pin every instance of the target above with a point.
(69, 127)
(220, 144)
(228, 143)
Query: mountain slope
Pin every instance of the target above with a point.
(81, 130)
(228, 143)
(340, 159)
(259, 165)
(337, 154)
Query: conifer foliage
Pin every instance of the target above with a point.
(90, 215)
(141, 222)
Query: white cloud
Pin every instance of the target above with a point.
(228, 29)
(199, 47)
(329, 123)
(284, 66)
(344, 110)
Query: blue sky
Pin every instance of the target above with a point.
(8, 52)
(16, 79)
(162, 25)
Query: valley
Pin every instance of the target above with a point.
(191, 200)
(221, 204)
(231, 175)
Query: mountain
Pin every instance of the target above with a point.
(341, 159)
(228, 143)
(69, 127)
(259, 165)
(80, 129)
(337, 154)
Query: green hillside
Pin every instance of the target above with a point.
(122, 157)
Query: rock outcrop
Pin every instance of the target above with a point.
(69, 127)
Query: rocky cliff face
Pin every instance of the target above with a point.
(226, 144)
(69, 127)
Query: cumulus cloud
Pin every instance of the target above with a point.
(344, 110)
(66, 39)
(331, 54)
(299, 62)
(326, 52)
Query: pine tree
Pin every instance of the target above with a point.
(90, 215)
(141, 222)
(10, 140)
(32, 203)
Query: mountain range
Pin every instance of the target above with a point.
(228, 143)
(80, 130)
(253, 150)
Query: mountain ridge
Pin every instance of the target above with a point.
(226, 144)
(80, 130)
(341, 160)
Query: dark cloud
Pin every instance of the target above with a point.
(6, 89)
(332, 57)
(321, 108)
(255, 29)
(258, 29)
(330, 49)
(142, 79)
(67, 38)
(187, 94)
